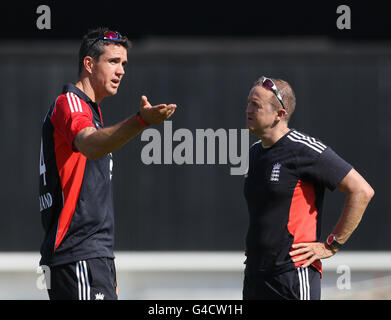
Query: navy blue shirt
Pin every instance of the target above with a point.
(76, 200)
(284, 189)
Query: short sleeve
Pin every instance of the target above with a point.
(326, 168)
(71, 114)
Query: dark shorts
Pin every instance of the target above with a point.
(299, 284)
(91, 279)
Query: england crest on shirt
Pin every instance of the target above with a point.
(275, 175)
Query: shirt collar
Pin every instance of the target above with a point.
(70, 87)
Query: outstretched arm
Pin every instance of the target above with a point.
(94, 144)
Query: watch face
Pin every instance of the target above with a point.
(330, 239)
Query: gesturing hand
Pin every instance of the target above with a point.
(155, 114)
(311, 251)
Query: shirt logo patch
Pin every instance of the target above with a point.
(275, 175)
(99, 296)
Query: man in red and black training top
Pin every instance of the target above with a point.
(284, 189)
(76, 201)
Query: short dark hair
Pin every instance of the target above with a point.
(94, 48)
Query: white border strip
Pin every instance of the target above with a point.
(199, 261)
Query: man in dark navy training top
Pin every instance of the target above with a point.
(284, 189)
(76, 200)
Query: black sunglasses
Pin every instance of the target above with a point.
(269, 84)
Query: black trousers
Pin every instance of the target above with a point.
(91, 279)
(299, 284)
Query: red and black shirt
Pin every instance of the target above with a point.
(284, 189)
(76, 201)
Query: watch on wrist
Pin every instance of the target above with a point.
(333, 243)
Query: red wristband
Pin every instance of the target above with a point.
(144, 124)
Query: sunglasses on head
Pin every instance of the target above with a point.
(269, 84)
(108, 35)
(111, 35)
